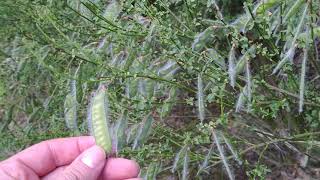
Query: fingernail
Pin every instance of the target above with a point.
(93, 156)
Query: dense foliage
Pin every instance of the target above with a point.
(196, 89)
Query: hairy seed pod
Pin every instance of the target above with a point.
(293, 10)
(241, 99)
(233, 152)
(70, 107)
(177, 159)
(202, 38)
(265, 5)
(200, 94)
(231, 66)
(121, 127)
(302, 79)
(287, 57)
(185, 170)
(250, 53)
(153, 169)
(112, 11)
(300, 25)
(206, 160)
(70, 112)
(167, 103)
(222, 156)
(249, 85)
(98, 119)
(290, 53)
(143, 132)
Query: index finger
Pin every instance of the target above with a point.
(48, 155)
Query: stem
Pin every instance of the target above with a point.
(267, 144)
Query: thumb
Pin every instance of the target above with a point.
(87, 166)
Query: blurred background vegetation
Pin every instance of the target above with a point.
(203, 89)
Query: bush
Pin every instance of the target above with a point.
(191, 85)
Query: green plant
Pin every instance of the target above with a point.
(259, 172)
(206, 83)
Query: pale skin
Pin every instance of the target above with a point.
(76, 158)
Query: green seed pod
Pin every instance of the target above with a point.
(98, 118)
(112, 11)
(121, 127)
(202, 39)
(242, 61)
(185, 170)
(153, 170)
(70, 107)
(293, 10)
(143, 132)
(265, 5)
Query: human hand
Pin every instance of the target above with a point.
(76, 158)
